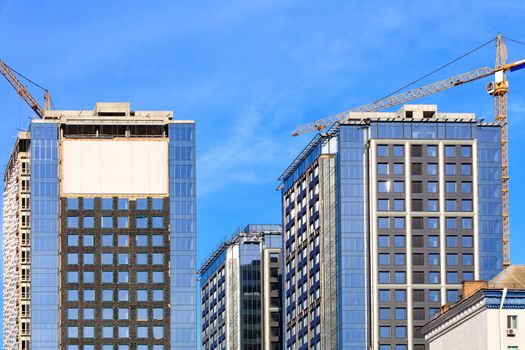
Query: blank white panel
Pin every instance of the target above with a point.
(131, 167)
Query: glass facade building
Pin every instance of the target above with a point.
(109, 231)
(384, 217)
(241, 291)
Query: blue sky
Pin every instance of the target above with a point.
(248, 72)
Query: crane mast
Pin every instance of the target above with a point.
(499, 89)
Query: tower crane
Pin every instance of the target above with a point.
(23, 92)
(498, 88)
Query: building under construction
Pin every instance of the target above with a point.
(385, 215)
(99, 232)
(241, 291)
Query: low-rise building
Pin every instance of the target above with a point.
(490, 316)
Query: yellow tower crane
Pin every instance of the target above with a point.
(498, 88)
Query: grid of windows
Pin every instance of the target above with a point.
(115, 280)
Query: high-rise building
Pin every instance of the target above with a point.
(384, 216)
(99, 232)
(241, 291)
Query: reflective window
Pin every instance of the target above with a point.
(432, 169)
(434, 295)
(142, 222)
(433, 205)
(450, 187)
(107, 240)
(157, 203)
(123, 277)
(142, 332)
(142, 203)
(433, 241)
(158, 258)
(382, 150)
(89, 332)
(89, 203)
(107, 258)
(399, 204)
(384, 313)
(450, 205)
(107, 332)
(450, 169)
(89, 240)
(72, 332)
(158, 276)
(466, 169)
(452, 277)
(433, 277)
(382, 168)
(382, 204)
(142, 259)
(72, 277)
(158, 295)
(466, 187)
(72, 258)
(399, 277)
(384, 259)
(158, 314)
(106, 222)
(433, 259)
(432, 187)
(123, 222)
(142, 277)
(452, 241)
(72, 222)
(398, 150)
(89, 222)
(468, 259)
(89, 277)
(107, 277)
(433, 223)
(383, 186)
(383, 241)
(123, 295)
(467, 241)
(466, 151)
(452, 259)
(107, 295)
(401, 313)
(142, 241)
(431, 151)
(384, 295)
(399, 241)
(399, 222)
(142, 314)
(451, 223)
(72, 240)
(466, 205)
(123, 203)
(399, 259)
(107, 203)
(142, 295)
(158, 332)
(89, 295)
(401, 332)
(123, 240)
(450, 151)
(399, 168)
(72, 204)
(157, 240)
(123, 258)
(399, 186)
(452, 296)
(383, 222)
(384, 332)
(89, 258)
(158, 222)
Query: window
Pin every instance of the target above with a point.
(89, 332)
(450, 187)
(72, 314)
(417, 223)
(123, 258)
(107, 294)
(417, 169)
(383, 222)
(466, 169)
(433, 205)
(142, 277)
(106, 222)
(72, 277)
(107, 240)
(89, 240)
(107, 258)
(383, 186)
(468, 276)
(466, 187)
(468, 259)
(512, 321)
(72, 222)
(450, 169)
(142, 314)
(158, 276)
(399, 277)
(452, 296)
(142, 222)
(107, 276)
(432, 169)
(384, 313)
(142, 295)
(399, 222)
(158, 332)
(467, 241)
(89, 295)
(72, 204)
(433, 223)
(158, 295)
(383, 242)
(401, 313)
(157, 203)
(89, 203)
(400, 295)
(452, 241)
(399, 204)
(399, 169)
(158, 314)
(384, 332)
(123, 204)
(434, 295)
(466, 151)
(433, 259)
(384, 295)
(398, 150)
(123, 222)
(450, 205)
(466, 223)
(123, 313)
(399, 241)
(451, 223)
(142, 332)
(433, 277)
(158, 258)
(450, 151)
(72, 240)
(89, 277)
(417, 150)
(72, 258)
(384, 277)
(123, 277)
(432, 187)
(142, 240)
(157, 240)
(466, 205)
(382, 150)
(399, 186)
(399, 259)
(107, 203)
(89, 222)
(142, 203)
(123, 295)
(417, 205)
(72, 332)
(452, 259)
(123, 240)
(158, 222)
(401, 332)
(123, 332)
(431, 151)
(452, 277)
(142, 259)
(382, 168)
(384, 259)
(433, 241)
(89, 258)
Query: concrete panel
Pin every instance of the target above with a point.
(120, 167)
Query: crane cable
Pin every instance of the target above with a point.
(438, 69)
